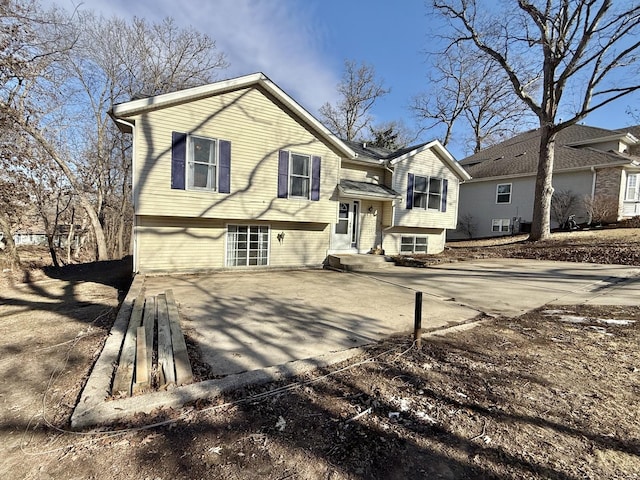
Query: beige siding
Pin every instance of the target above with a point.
(392, 237)
(425, 163)
(370, 232)
(257, 129)
(361, 173)
(180, 244)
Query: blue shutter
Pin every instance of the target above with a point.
(224, 178)
(410, 191)
(445, 186)
(283, 174)
(178, 159)
(315, 178)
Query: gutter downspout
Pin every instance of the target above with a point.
(134, 233)
(393, 204)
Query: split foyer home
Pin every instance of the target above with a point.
(238, 174)
(596, 170)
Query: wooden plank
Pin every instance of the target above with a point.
(142, 369)
(124, 374)
(149, 322)
(180, 355)
(166, 369)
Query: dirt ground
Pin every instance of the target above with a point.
(552, 394)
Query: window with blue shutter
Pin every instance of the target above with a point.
(315, 178)
(298, 175)
(224, 179)
(178, 159)
(410, 191)
(283, 174)
(200, 163)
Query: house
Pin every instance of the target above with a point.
(238, 174)
(596, 175)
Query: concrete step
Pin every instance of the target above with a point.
(354, 262)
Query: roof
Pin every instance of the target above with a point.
(574, 150)
(123, 111)
(351, 188)
(369, 154)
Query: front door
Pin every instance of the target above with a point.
(345, 231)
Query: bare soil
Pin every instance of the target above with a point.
(552, 394)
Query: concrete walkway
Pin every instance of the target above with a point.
(272, 325)
(246, 321)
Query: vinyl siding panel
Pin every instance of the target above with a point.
(173, 244)
(478, 201)
(427, 164)
(392, 238)
(257, 129)
(362, 173)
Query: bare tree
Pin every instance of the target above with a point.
(470, 88)
(563, 203)
(467, 224)
(559, 56)
(358, 91)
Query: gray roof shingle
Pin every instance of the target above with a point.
(519, 155)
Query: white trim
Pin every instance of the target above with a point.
(190, 158)
(498, 185)
(248, 225)
(136, 107)
(608, 138)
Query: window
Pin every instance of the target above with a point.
(299, 175)
(633, 193)
(427, 192)
(413, 244)
(503, 193)
(202, 162)
(247, 245)
(500, 225)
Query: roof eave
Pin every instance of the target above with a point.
(136, 107)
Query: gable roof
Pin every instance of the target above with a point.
(518, 156)
(378, 156)
(260, 80)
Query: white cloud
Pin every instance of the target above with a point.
(281, 38)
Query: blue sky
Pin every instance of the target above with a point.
(302, 44)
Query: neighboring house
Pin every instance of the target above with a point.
(236, 173)
(596, 168)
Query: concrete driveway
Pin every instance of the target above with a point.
(250, 320)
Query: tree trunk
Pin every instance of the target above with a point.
(541, 227)
(10, 245)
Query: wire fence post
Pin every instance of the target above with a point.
(417, 321)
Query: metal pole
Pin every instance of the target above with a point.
(417, 324)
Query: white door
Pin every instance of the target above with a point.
(345, 231)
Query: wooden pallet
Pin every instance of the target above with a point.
(152, 317)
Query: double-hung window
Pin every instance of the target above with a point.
(427, 192)
(633, 192)
(299, 175)
(500, 225)
(202, 163)
(503, 193)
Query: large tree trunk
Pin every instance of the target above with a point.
(541, 227)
